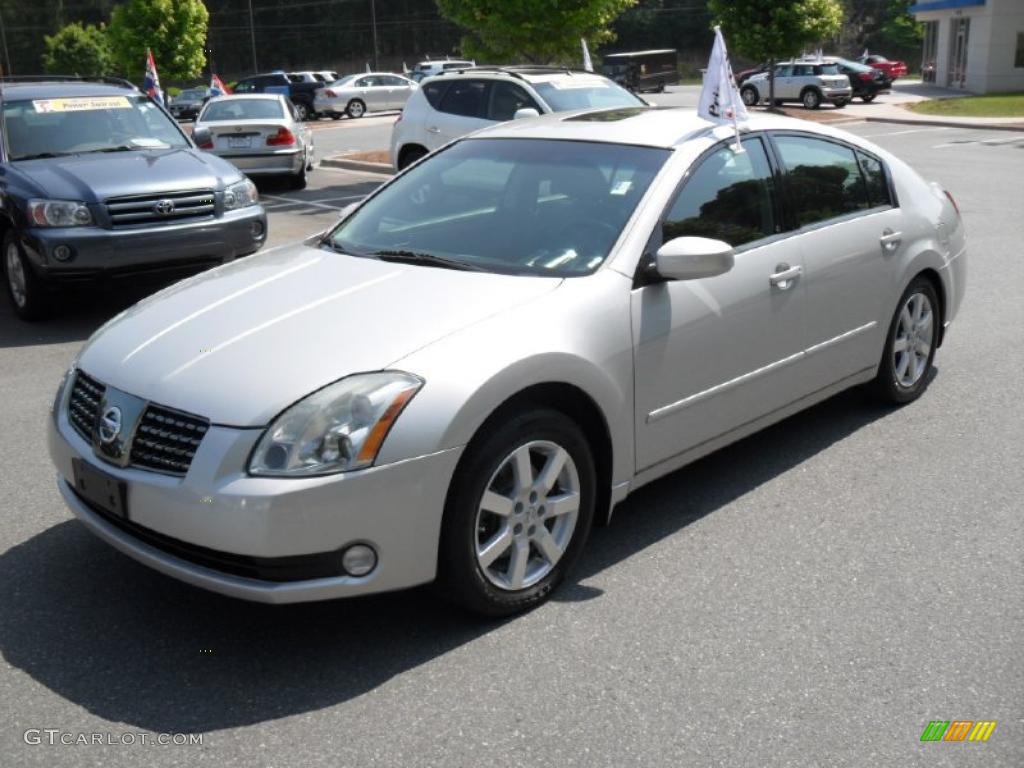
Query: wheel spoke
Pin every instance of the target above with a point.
(552, 469)
(547, 545)
(924, 325)
(917, 304)
(496, 504)
(900, 345)
(496, 547)
(923, 348)
(522, 467)
(556, 506)
(906, 321)
(902, 364)
(516, 573)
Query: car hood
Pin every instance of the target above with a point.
(98, 176)
(240, 343)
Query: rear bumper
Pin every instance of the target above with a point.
(155, 250)
(266, 163)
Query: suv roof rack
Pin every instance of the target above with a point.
(516, 70)
(67, 79)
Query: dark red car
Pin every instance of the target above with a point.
(893, 69)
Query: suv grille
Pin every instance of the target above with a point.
(169, 208)
(84, 404)
(167, 440)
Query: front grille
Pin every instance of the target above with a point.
(84, 404)
(175, 206)
(167, 440)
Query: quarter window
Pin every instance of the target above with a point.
(466, 98)
(729, 197)
(823, 179)
(434, 92)
(878, 184)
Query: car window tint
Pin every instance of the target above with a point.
(434, 92)
(466, 98)
(242, 109)
(803, 70)
(728, 197)
(783, 71)
(245, 86)
(823, 178)
(506, 99)
(878, 184)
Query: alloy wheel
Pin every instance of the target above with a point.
(915, 335)
(16, 275)
(527, 514)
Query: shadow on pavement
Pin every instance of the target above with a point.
(130, 645)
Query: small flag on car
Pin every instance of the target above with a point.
(719, 99)
(588, 65)
(151, 84)
(217, 88)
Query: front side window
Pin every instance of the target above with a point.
(514, 206)
(76, 125)
(822, 178)
(585, 92)
(506, 100)
(729, 197)
(242, 109)
(466, 98)
(784, 71)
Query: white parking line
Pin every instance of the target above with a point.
(286, 201)
(980, 140)
(903, 133)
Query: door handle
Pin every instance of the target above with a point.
(785, 276)
(433, 129)
(891, 240)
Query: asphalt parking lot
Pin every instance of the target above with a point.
(811, 596)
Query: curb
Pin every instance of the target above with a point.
(947, 123)
(340, 161)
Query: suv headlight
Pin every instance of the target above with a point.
(338, 428)
(59, 213)
(241, 194)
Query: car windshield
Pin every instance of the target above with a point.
(242, 109)
(582, 92)
(76, 124)
(192, 93)
(854, 66)
(514, 206)
(344, 81)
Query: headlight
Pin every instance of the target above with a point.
(240, 195)
(58, 213)
(339, 428)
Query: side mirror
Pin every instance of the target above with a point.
(691, 258)
(203, 136)
(525, 112)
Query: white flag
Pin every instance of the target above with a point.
(368, 67)
(865, 54)
(719, 98)
(588, 65)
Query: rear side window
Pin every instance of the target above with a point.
(878, 183)
(729, 197)
(466, 98)
(434, 92)
(803, 70)
(822, 178)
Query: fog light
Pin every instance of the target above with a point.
(359, 560)
(62, 253)
(257, 229)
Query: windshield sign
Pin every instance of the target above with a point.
(44, 106)
(468, 205)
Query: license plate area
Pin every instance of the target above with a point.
(239, 142)
(106, 492)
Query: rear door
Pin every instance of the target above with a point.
(398, 91)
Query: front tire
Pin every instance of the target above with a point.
(302, 111)
(811, 99)
(355, 109)
(518, 514)
(867, 98)
(24, 289)
(905, 368)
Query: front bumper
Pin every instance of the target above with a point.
(131, 252)
(269, 540)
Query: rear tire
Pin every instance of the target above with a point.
(750, 95)
(303, 111)
(512, 532)
(867, 98)
(355, 109)
(840, 103)
(24, 289)
(905, 369)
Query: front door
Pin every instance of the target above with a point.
(713, 354)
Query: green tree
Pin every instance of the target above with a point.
(77, 50)
(539, 31)
(175, 30)
(775, 29)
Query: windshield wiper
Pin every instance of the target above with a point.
(40, 156)
(411, 257)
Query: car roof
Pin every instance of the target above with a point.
(530, 74)
(249, 96)
(56, 89)
(665, 127)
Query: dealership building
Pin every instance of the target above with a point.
(976, 45)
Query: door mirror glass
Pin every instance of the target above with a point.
(525, 112)
(691, 258)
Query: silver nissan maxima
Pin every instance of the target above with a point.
(497, 346)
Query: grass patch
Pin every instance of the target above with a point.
(996, 105)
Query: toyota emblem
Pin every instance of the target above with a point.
(110, 424)
(164, 207)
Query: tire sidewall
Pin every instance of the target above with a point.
(350, 112)
(751, 90)
(459, 572)
(37, 306)
(886, 381)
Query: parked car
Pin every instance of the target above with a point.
(810, 83)
(262, 134)
(456, 103)
(893, 69)
(328, 76)
(305, 77)
(355, 95)
(641, 71)
(429, 68)
(301, 94)
(496, 347)
(186, 105)
(97, 182)
(743, 75)
(866, 82)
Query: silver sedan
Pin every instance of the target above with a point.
(355, 95)
(499, 345)
(260, 133)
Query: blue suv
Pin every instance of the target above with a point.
(97, 181)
